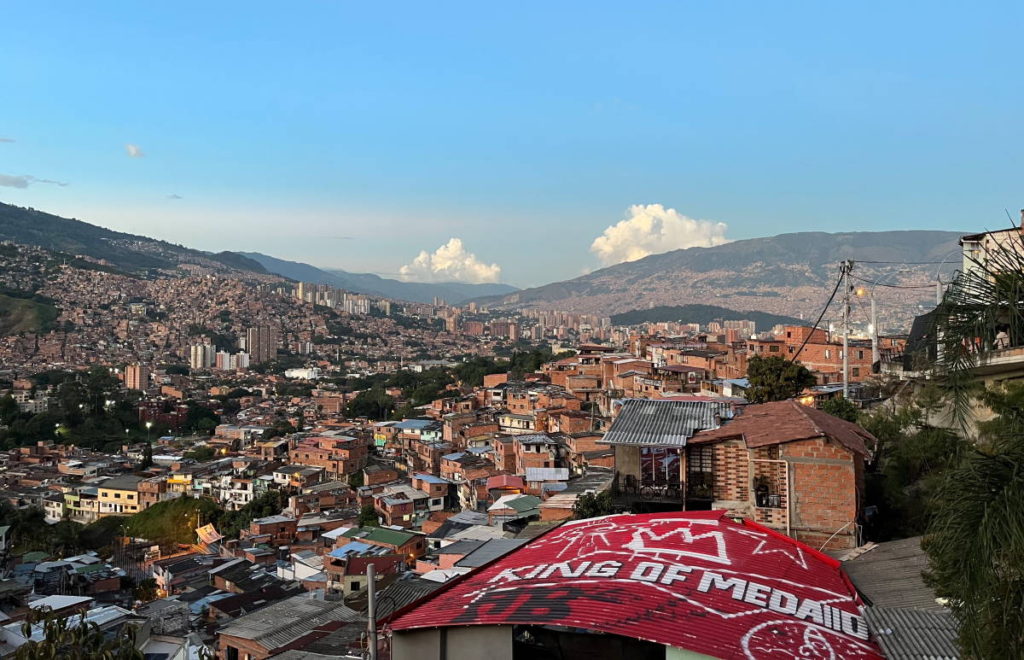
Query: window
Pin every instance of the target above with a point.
(828, 354)
(700, 471)
(856, 371)
(356, 585)
(773, 348)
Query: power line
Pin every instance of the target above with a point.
(820, 316)
(907, 263)
(894, 286)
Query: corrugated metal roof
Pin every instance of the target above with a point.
(889, 575)
(909, 634)
(693, 580)
(281, 623)
(547, 474)
(379, 535)
(658, 422)
(489, 551)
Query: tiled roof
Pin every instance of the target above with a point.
(669, 423)
(778, 422)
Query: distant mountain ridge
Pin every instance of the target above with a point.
(375, 285)
(128, 252)
(788, 275)
(702, 314)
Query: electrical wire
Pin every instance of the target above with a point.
(894, 286)
(908, 263)
(820, 316)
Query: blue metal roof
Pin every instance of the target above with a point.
(429, 478)
(415, 424)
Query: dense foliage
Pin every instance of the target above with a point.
(591, 505)
(976, 537)
(702, 314)
(74, 638)
(91, 410)
(775, 378)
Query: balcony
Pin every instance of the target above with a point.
(648, 493)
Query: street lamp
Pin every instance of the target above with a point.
(149, 425)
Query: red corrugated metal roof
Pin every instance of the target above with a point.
(693, 580)
(505, 481)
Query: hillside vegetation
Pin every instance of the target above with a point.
(25, 314)
(702, 314)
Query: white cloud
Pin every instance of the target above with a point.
(652, 228)
(25, 180)
(6, 139)
(133, 150)
(449, 263)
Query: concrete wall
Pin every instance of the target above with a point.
(490, 642)
(627, 460)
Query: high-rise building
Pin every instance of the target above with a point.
(261, 342)
(136, 377)
(202, 356)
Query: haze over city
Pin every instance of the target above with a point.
(548, 141)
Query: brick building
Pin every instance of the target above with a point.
(789, 467)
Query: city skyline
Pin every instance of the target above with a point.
(474, 144)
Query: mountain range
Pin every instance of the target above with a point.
(375, 285)
(137, 254)
(127, 252)
(788, 274)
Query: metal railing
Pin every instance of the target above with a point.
(647, 487)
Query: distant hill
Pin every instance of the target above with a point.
(375, 285)
(126, 251)
(702, 314)
(787, 275)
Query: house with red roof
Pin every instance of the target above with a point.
(696, 584)
(784, 465)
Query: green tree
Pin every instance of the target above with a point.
(201, 454)
(147, 457)
(372, 404)
(368, 516)
(842, 408)
(775, 378)
(975, 541)
(591, 505)
(8, 409)
(74, 638)
(145, 590)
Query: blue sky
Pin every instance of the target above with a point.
(356, 137)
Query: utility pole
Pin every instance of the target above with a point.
(874, 331)
(846, 268)
(371, 613)
(938, 292)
